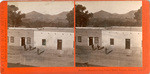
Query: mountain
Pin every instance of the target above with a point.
(103, 15)
(99, 18)
(36, 16)
(61, 17)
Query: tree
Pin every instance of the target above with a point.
(138, 16)
(70, 18)
(14, 16)
(82, 16)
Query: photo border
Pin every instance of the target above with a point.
(104, 70)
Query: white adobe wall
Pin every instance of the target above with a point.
(119, 38)
(51, 39)
(17, 34)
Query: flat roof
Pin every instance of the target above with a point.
(113, 28)
(57, 29)
(67, 29)
(89, 27)
(139, 29)
(51, 29)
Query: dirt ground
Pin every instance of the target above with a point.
(85, 56)
(49, 58)
(17, 65)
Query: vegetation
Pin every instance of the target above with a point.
(14, 16)
(70, 18)
(38, 24)
(82, 16)
(138, 16)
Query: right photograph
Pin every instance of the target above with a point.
(108, 33)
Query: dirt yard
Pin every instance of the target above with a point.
(85, 56)
(49, 58)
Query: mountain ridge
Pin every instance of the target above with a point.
(61, 17)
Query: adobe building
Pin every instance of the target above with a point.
(110, 37)
(86, 36)
(122, 38)
(47, 37)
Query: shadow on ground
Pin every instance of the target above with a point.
(116, 58)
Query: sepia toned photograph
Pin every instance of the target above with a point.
(108, 33)
(41, 34)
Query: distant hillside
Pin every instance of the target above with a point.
(36, 16)
(100, 18)
(61, 17)
(103, 19)
(103, 15)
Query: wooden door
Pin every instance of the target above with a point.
(22, 41)
(127, 44)
(90, 41)
(59, 44)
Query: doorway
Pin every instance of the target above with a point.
(127, 44)
(90, 41)
(59, 44)
(22, 41)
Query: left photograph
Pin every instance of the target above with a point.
(40, 34)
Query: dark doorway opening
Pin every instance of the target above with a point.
(22, 41)
(127, 44)
(90, 41)
(59, 44)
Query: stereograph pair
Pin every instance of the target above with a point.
(87, 34)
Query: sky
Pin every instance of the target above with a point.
(47, 7)
(120, 7)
